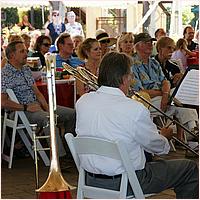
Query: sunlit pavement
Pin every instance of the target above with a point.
(19, 182)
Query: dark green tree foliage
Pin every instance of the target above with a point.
(38, 17)
(12, 17)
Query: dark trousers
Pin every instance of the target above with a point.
(182, 175)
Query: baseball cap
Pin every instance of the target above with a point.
(143, 37)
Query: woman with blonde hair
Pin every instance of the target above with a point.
(125, 43)
(90, 51)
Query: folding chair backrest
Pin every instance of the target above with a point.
(19, 126)
(115, 150)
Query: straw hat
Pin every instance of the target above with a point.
(102, 36)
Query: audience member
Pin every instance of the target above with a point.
(56, 27)
(89, 51)
(188, 34)
(27, 42)
(65, 48)
(34, 35)
(109, 114)
(77, 39)
(11, 38)
(73, 27)
(182, 53)
(165, 47)
(150, 78)
(41, 47)
(125, 43)
(25, 23)
(160, 32)
(18, 77)
(105, 41)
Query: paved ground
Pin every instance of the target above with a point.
(19, 182)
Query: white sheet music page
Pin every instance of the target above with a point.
(188, 92)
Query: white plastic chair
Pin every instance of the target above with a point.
(115, 150)
(20, 128)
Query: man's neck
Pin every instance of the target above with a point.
(15, 65)
(144, 58)
(189, 42)
(64, 56)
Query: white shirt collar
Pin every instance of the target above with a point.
(110, 90)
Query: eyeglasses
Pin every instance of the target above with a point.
(46, 44)
(105, 41)
(124, 33)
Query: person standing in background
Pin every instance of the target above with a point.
(25, 23)
(73, 27)
(55, 28)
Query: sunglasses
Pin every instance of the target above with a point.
(105, 41)
(124, 33)
(46, 44)
(56, 15)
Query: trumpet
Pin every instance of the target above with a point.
(55, 181)
(90, 79)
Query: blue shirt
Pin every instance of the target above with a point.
(146, 76)
(73, 61)
(20, 81)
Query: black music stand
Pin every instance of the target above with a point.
(187, 91)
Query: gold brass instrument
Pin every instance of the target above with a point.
(55, 181)
(80, 72)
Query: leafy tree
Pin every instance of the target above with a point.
(12, 16)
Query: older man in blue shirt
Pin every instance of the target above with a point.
(150, 78)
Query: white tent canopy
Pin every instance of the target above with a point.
(23, 3)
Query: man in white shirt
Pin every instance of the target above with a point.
(73, 27)
(109, 114)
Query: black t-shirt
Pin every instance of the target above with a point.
(169, 70)
(192, 46)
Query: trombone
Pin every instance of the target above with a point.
(90, 79)
(55, 181)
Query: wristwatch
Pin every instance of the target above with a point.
(25, 107)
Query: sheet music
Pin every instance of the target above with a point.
(188, 92)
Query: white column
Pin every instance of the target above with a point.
(132, 17)
(91, 14)
(176, 30)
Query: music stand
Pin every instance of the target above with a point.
(187, 91)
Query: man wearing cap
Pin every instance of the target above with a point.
(105, 41)
(73, 27)
(150, 78)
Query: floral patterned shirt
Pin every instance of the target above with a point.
(20, 81)
(146, 76)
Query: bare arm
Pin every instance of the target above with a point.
(165, 95)
(10, 105)
(40, 98)
(153, 93)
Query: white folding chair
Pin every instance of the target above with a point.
(19, 123)
(115, 150)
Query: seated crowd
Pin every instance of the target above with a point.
(132, 62)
